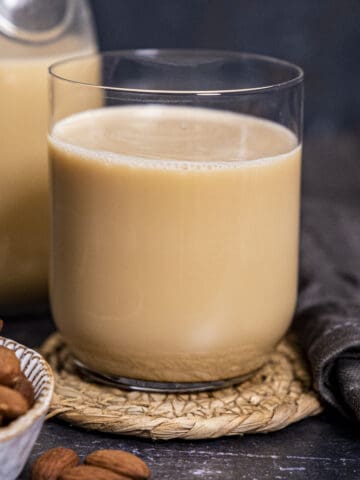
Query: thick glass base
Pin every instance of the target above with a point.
(158, 387)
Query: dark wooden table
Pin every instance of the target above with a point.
(326, 447)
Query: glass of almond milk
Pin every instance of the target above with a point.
(175, 190)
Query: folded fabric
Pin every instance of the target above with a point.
(327, 320)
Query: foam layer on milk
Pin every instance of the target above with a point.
(173, 138)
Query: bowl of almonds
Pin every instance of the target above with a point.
(26, 387)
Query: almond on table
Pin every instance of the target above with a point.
(51, 464)
(121, 462)
(63, 464)
(88, 472)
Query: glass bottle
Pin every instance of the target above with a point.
(33, 35)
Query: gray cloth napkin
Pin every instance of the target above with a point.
(327, 320)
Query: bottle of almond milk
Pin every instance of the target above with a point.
(33, 35)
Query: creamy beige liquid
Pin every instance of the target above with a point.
(23, 181)
(24, 204)
(175, 240)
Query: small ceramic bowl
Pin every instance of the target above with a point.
(18, 438)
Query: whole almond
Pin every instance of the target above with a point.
(88, 472)
(51, 464)
(120, 462)
(22, 385)
(1, 324)
(12, 404)
(9, 366)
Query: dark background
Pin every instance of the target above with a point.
(322, 36)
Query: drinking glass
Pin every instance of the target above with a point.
(175, 186)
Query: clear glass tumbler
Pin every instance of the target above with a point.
(175, 184)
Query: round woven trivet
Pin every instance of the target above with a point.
(275, 396)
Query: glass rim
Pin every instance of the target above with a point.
(295, 79)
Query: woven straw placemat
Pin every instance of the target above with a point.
(275, 396)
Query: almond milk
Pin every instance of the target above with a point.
(24, 197)
(174, 240)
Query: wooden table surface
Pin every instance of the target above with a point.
(326, 447)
